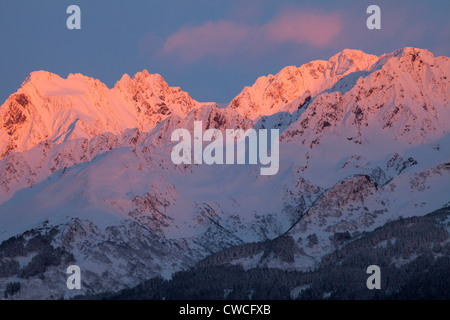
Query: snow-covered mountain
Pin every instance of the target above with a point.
(289, 88)
(48, 107)
(87, 173)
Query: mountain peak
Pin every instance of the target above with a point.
(40, 75)
(125, 78)
(412, 50)
(143, 80)
(350, 60)
(354, 54)
(44, 83)
(413, 54)
(150, 77)
(78, 76)
(405, 54)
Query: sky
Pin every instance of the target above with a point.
(210, 48)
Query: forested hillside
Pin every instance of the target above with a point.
(413, 254)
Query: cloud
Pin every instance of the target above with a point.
(226, 38)
(219, 38)
(315, 29)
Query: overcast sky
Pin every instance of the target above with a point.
(211, 48)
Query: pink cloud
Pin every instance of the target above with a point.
(219, 38)
(224, 38)
(315, 29)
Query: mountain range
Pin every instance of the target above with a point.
(87, 177)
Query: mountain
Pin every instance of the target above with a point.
(403, 95)
(48, 107)
(290, 87)
(88, 178)
(335, 278)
